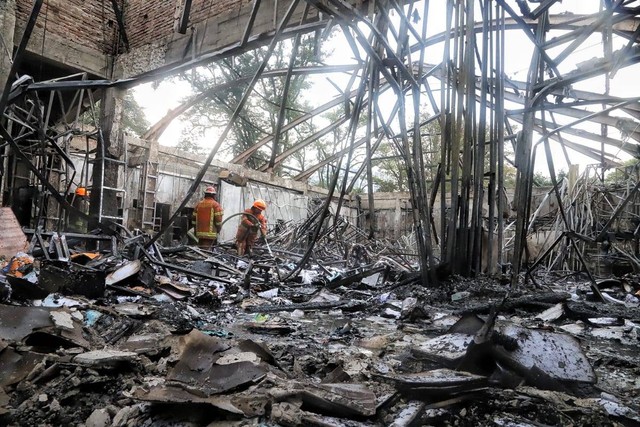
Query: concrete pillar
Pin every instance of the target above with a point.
(113, 147)
(574, 171)
(7, 29)
(397, 219)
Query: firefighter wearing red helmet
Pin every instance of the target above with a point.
(207, 218)
(252, 222)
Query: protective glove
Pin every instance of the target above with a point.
(263, 233)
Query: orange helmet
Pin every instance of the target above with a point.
(210, 190)
(81, 191)
(260, 204)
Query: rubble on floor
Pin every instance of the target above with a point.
(129, 335)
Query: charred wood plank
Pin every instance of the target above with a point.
(309, 306)
(585, 310)
(520, 302)
(355, 277)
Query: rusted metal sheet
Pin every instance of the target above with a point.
(197, 366)
(63, 277)
(16, 366)
(339, 399)
(18, 322)
(37, 325)
(559, 355)
(13, 239)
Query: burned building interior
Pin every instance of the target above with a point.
(452, 230)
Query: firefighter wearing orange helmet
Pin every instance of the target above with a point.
(252, 222)
(80, 201)
(207, 218)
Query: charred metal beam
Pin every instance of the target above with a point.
(305, 174)
(252, 19)
(43, 179)
(121, 27)
(619, 209)
(594, 24)
(234, 116)
(284, 98)
(242, 157)
(18, 56)
(584, 33)
(586, 70)
(184, 16)
(523, 154)
(305, 142)
(544, 6)
(533, 37)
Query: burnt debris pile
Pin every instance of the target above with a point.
(129, 334)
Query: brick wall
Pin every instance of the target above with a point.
(147, 24)
(83, 34)
(90, 23)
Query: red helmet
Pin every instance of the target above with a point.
(210, 190)
(260, 204)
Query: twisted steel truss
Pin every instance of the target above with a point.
(459, 76)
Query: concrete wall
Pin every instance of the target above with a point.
(282, 204)
(287, 200)
(392, 212)
(394, 217)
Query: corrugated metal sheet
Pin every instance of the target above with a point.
(12, 239)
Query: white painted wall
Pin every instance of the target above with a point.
(232, 201)
(281, 204)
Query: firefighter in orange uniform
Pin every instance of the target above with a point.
(77, 223)
(252, 222)
(207, 218)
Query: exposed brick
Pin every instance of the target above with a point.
(93, 23)
(146, 24)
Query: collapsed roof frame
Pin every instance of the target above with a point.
(471, 45)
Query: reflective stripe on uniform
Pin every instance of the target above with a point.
(206, 235)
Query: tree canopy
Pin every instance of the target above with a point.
(259, 117)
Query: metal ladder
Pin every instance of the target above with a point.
(58, 172)
(119, 190)
(148, 188)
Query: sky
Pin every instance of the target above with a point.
(157, 99)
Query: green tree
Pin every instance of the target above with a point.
(630, 168)
(189, 144)
(323, 148)
(259, 116)
(542, 180)
(392, 174)
(133, 117)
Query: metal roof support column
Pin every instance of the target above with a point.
(524, 160)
